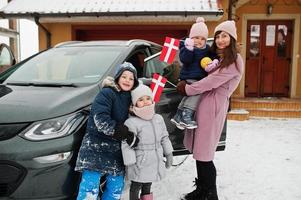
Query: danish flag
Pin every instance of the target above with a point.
(157, 85)
(170, 47)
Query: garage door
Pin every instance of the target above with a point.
(153, 33)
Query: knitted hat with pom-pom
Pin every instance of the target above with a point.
(126, 66)
(199, 28)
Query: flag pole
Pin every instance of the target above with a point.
(171, 83)
(152, 56)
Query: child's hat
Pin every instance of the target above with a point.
(227, 26)
(140, 91)
(199, 28)
(126, 66)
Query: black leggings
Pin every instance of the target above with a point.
(206, 172)
(136, 187)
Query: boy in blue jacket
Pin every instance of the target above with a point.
(100, 151)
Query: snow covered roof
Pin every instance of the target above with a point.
(106, 9)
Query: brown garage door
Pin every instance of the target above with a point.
(153, 33)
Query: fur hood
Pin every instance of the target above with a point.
(110, 82)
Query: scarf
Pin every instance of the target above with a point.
(146, 112)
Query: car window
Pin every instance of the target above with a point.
(169, 71)
(137, 59)
(67, 65)
(154, 65)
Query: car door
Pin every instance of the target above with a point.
(7, 58)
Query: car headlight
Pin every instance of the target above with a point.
(53, 128)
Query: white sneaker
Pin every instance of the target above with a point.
(178, 124)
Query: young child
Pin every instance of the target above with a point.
(153, 144)
(192, 52)
(100, 152)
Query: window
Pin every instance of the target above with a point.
(137, 60)
(281, 40)
(255, 41)
(68, 65)
(270, 35)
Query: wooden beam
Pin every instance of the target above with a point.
(8, 32)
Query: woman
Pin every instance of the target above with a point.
(216, 90)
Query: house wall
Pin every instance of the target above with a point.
(291, 10)
(60, 32)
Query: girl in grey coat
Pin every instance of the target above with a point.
(149, 127)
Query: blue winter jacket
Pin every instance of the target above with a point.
(99, 151)
(191, 68)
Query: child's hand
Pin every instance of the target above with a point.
(132, 139)
(121, 132)
(212, 65)
(169, 160)
(189, 44)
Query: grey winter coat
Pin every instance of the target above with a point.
(153, 144)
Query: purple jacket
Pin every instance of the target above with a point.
(211, 112)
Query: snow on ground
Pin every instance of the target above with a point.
(262, 161)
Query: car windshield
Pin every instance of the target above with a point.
(66, 65)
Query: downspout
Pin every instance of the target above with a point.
(230, 10)
(48, 34)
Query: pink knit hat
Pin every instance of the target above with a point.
(199, 28)
(227, 26)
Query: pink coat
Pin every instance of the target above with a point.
(211, 112)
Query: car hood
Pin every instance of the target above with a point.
(29, 103)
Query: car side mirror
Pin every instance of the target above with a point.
(7, 58)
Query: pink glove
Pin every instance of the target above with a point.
(212, 66)
(189, 44)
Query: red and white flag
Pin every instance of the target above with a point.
(169, 51)
(157, 85)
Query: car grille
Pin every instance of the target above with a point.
(10, 130)
(11, 175)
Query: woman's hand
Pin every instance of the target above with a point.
(181, 88)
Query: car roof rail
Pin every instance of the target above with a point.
(138, 40)
(66, 43)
